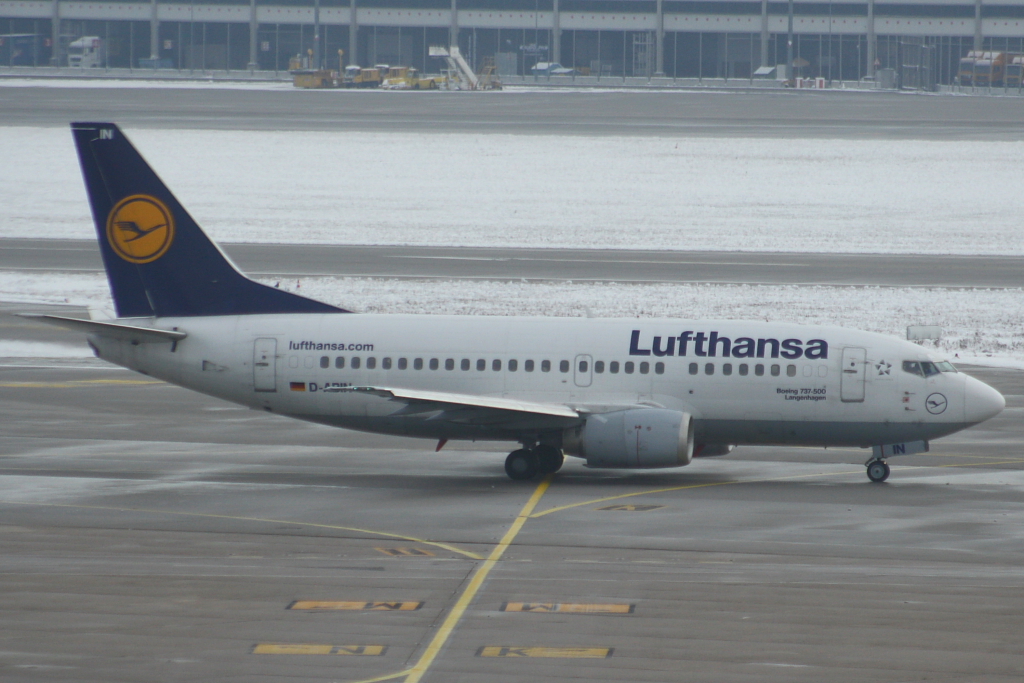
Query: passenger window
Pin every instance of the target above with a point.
(808, 371)
(545, 366)
(325, 362)
(613, 367)
(385, 363)
(709, 368)
(403, 363)
(790, 371)
(645, 368)
(584, 365)
(759, 370)
(599, 366)
(513, 365)
(449, 363)
(629, 367)
(355, 362)
(371, 363)
(481, 364)
(496, 365)
(744, 369)
(293, 361)
(433, 363)
(694, 368)
(339, 362)
(727, 369)
(776, 370)
(659, 368)
(563, 366)
(464, 364)
(822, 371)
(307, 361)
(528, 366)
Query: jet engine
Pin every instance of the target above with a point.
(640, 438)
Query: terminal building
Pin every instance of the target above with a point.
(658, 39)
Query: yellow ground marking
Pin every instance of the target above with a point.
(405, 552)
(312, 649)
(632, 508)
(72, 384)
(563, 652)
(411, 539)
(568, 607)
(379, 606)
(455, 616)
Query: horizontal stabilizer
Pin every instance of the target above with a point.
(129, 333)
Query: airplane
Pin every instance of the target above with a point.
(618, 393)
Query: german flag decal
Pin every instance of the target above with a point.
(297, 386)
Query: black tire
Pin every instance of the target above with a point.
(878, 471)
(549, 459)
(521, 465)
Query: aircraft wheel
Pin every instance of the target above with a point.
(878, 471)
(521, 465)
(549, 459)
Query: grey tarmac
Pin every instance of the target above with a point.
(576, 265)
(152, 533)
(732, 113)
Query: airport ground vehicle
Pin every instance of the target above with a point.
(87, 52)
(409, 78)
(23, 49)
(965, 73)
(618, 393)
(358, 77)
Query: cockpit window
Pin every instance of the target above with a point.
(926, 368)
(913, 367)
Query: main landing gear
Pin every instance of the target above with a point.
(527, 463)
(878, 470)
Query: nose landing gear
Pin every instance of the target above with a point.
(878, 470)
(527, 463)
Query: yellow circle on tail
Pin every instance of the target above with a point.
(140, 229)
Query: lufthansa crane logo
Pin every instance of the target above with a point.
(935, 403)
(140, 229)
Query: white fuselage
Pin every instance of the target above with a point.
(743, 382)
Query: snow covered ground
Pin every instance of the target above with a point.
(548, 190)
(979, 326)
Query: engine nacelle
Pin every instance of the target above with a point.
(712, 450)
(640, 438)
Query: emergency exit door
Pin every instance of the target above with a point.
(851, 382)
(584, 370)
(264, 364)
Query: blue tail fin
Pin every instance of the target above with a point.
(158, 260)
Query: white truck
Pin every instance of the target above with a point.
(86, 52)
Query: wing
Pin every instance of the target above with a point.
(476, 410)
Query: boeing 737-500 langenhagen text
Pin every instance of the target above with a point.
(619, 393)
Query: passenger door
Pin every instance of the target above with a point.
(264, 364)
(851, 381)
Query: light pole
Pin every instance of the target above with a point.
(789, 45)
(316, 35)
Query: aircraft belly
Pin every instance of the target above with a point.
(818, 433)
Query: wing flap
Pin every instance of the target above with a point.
(475, 408)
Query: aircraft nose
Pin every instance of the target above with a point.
(981, 402)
